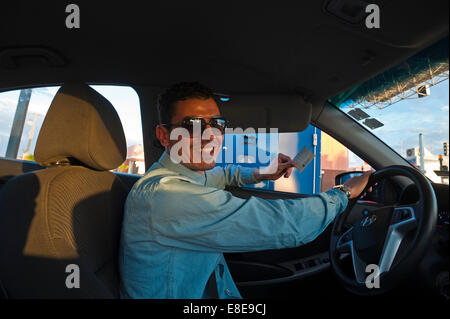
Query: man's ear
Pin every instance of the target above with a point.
(163, 135)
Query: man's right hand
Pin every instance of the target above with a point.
(357, 184)
(280, 166)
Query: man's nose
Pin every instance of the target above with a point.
(208, 133)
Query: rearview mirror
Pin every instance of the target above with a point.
(343, 177)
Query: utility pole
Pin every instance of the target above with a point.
(18, 123)
(441, 166)
(422, 153)
(31, 134)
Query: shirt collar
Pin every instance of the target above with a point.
(166, 161)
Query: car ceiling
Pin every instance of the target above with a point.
(235, 47)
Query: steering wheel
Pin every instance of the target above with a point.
(387, 242)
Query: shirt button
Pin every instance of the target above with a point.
(228, 292)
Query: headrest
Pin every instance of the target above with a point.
(82, 125)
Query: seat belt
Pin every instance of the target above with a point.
(211, 286)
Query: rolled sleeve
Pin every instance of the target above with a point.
(230, 175)
(337, 195)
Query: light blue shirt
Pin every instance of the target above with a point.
(177, 225)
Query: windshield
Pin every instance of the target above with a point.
(407, 107)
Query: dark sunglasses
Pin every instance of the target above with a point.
(188, 123)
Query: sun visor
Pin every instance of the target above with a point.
(287, 113)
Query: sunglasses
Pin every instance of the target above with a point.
(189, 123)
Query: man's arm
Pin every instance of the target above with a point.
(210, 219)
(230, 175)
(234, 175)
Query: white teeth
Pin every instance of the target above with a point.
(207, 149)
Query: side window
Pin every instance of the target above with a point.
(22, 113)
(335, 159)
(331, 158)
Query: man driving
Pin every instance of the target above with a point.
(179, 220)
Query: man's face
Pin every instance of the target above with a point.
(204, 146)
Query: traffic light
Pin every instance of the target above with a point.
(445, 148)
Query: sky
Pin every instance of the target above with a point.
(404, 120)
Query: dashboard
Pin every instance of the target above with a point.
(411, 195)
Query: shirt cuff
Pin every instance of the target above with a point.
(339, 196)
(247, 175)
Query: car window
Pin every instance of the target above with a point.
(331, 158)
(407, 107)
(27, 108)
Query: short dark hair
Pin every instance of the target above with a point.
(179, 92)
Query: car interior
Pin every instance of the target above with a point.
(279, 64)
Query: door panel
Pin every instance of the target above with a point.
(12, 167)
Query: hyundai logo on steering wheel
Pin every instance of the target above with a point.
(369, 220)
